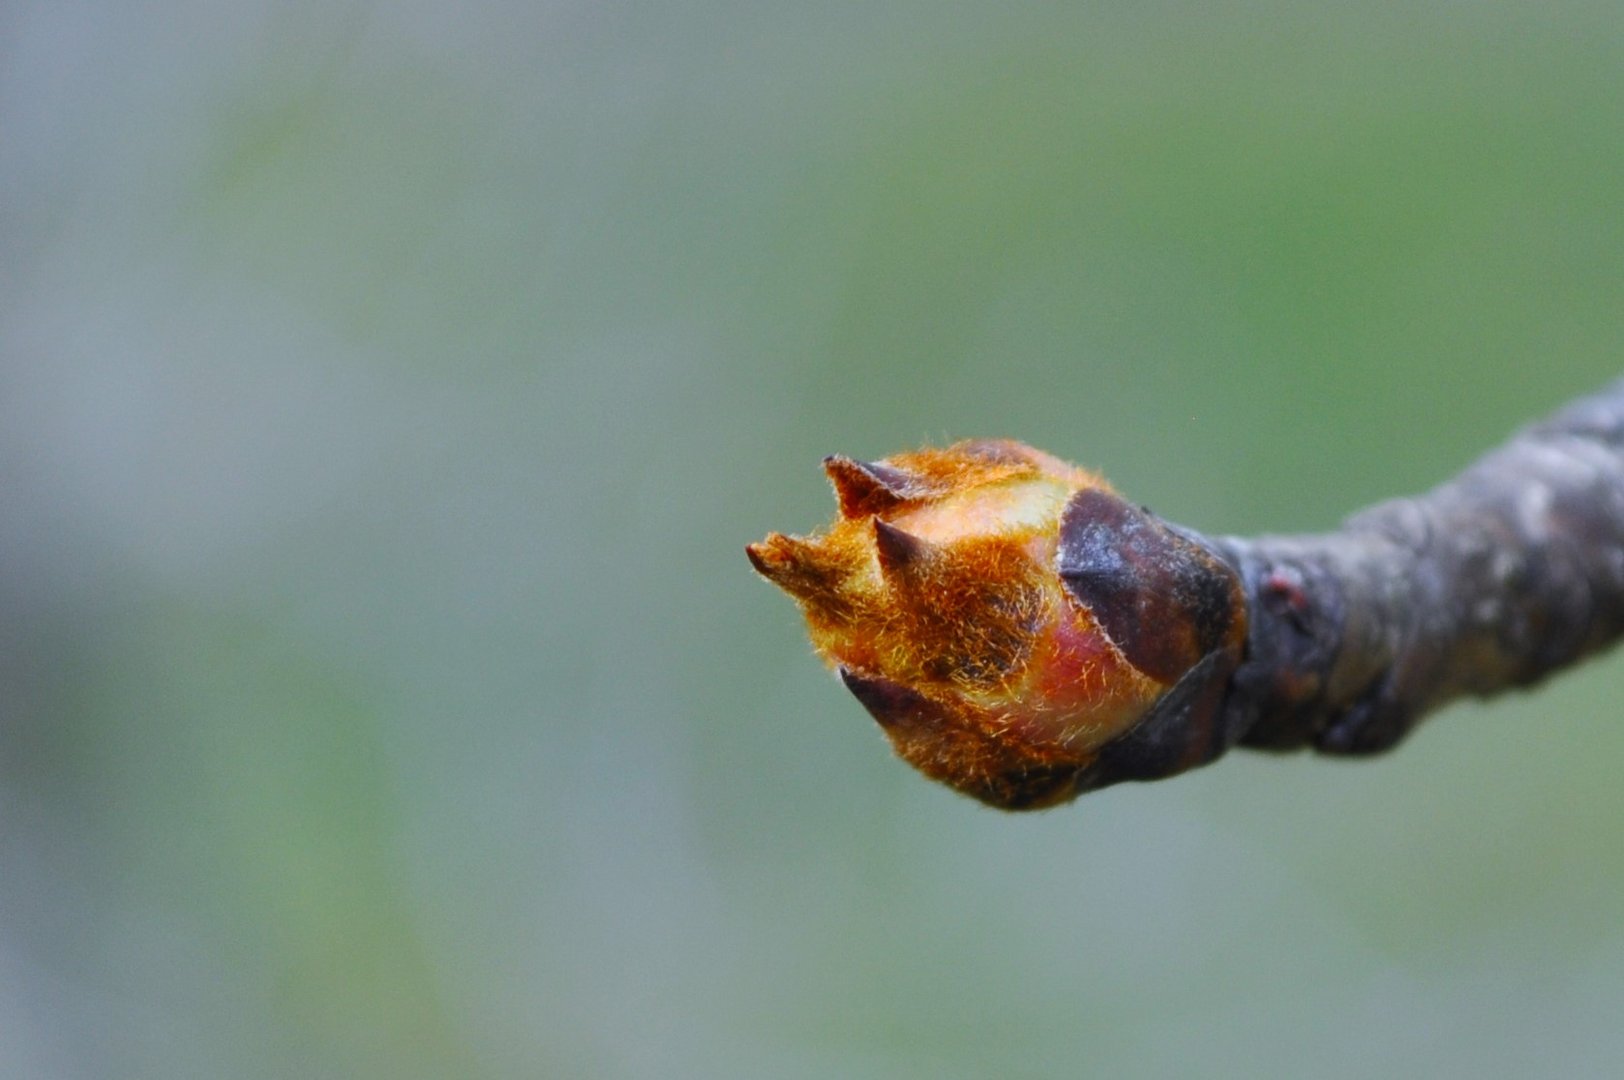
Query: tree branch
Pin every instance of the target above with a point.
(1503, 575)
(1024, 634)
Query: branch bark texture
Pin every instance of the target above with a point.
(1503, 575)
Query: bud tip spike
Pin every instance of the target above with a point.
(866, 487)
(897, 550)
(753, 552)
(890, 704)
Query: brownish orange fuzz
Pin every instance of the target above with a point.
(938, 594)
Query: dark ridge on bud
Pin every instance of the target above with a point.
(1164, 600)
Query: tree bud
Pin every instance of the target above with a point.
(1019, 631)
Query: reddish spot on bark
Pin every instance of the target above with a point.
(1284, 595)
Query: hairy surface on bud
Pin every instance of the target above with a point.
(1002, 614)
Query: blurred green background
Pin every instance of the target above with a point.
(388, 392)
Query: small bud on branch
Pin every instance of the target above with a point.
(1024, 634)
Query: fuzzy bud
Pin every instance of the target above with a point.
(1019, 631)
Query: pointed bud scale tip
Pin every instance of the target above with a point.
(898, 551)
(889, 703)
(1000, 614)
(774, 557)
(807, 570)
(866, 487)
(757, 554)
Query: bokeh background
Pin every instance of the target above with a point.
(388, 391)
